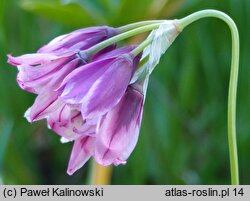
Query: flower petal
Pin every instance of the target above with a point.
(69, 123)
(78, 40)
(119, 130)
(98, 86)
(83, 149)
(45, 103)
(107, 91)
(35, 79)
(76, 84)
(61, 116)
(115, 52)
(31, 59)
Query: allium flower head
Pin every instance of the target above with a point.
(95, 100)
(92, 93)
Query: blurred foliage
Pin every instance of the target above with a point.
(183, 136)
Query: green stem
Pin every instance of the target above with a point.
(120, 37)
(142, 46)
(232, 83)
(137, 24)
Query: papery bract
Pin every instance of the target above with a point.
(162, 38)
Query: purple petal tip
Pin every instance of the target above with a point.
(11, 60)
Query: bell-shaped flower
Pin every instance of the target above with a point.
(118, 130)
(43, 80)
(80, 39)
(99, 85)
(36, 77)
(58, 58)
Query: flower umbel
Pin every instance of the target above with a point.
(92, 92)
(85, 95)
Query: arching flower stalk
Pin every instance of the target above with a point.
(92, 93)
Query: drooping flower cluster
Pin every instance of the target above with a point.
(92, 93)
(85, 98)
(94, 99)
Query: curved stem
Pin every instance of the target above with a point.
(120, 37)
(182, 23)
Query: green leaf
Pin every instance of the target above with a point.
(134, 10)
(69, 14)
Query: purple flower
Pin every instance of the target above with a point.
(99, 85)
(49, 66)
(117, 133)
(41, 73)
(88, 101)
(69, 124)
(37, 77)
(81, 39)
(119, 129)
(70, 128)
(43, 78)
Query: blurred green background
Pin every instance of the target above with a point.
(183, 139)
